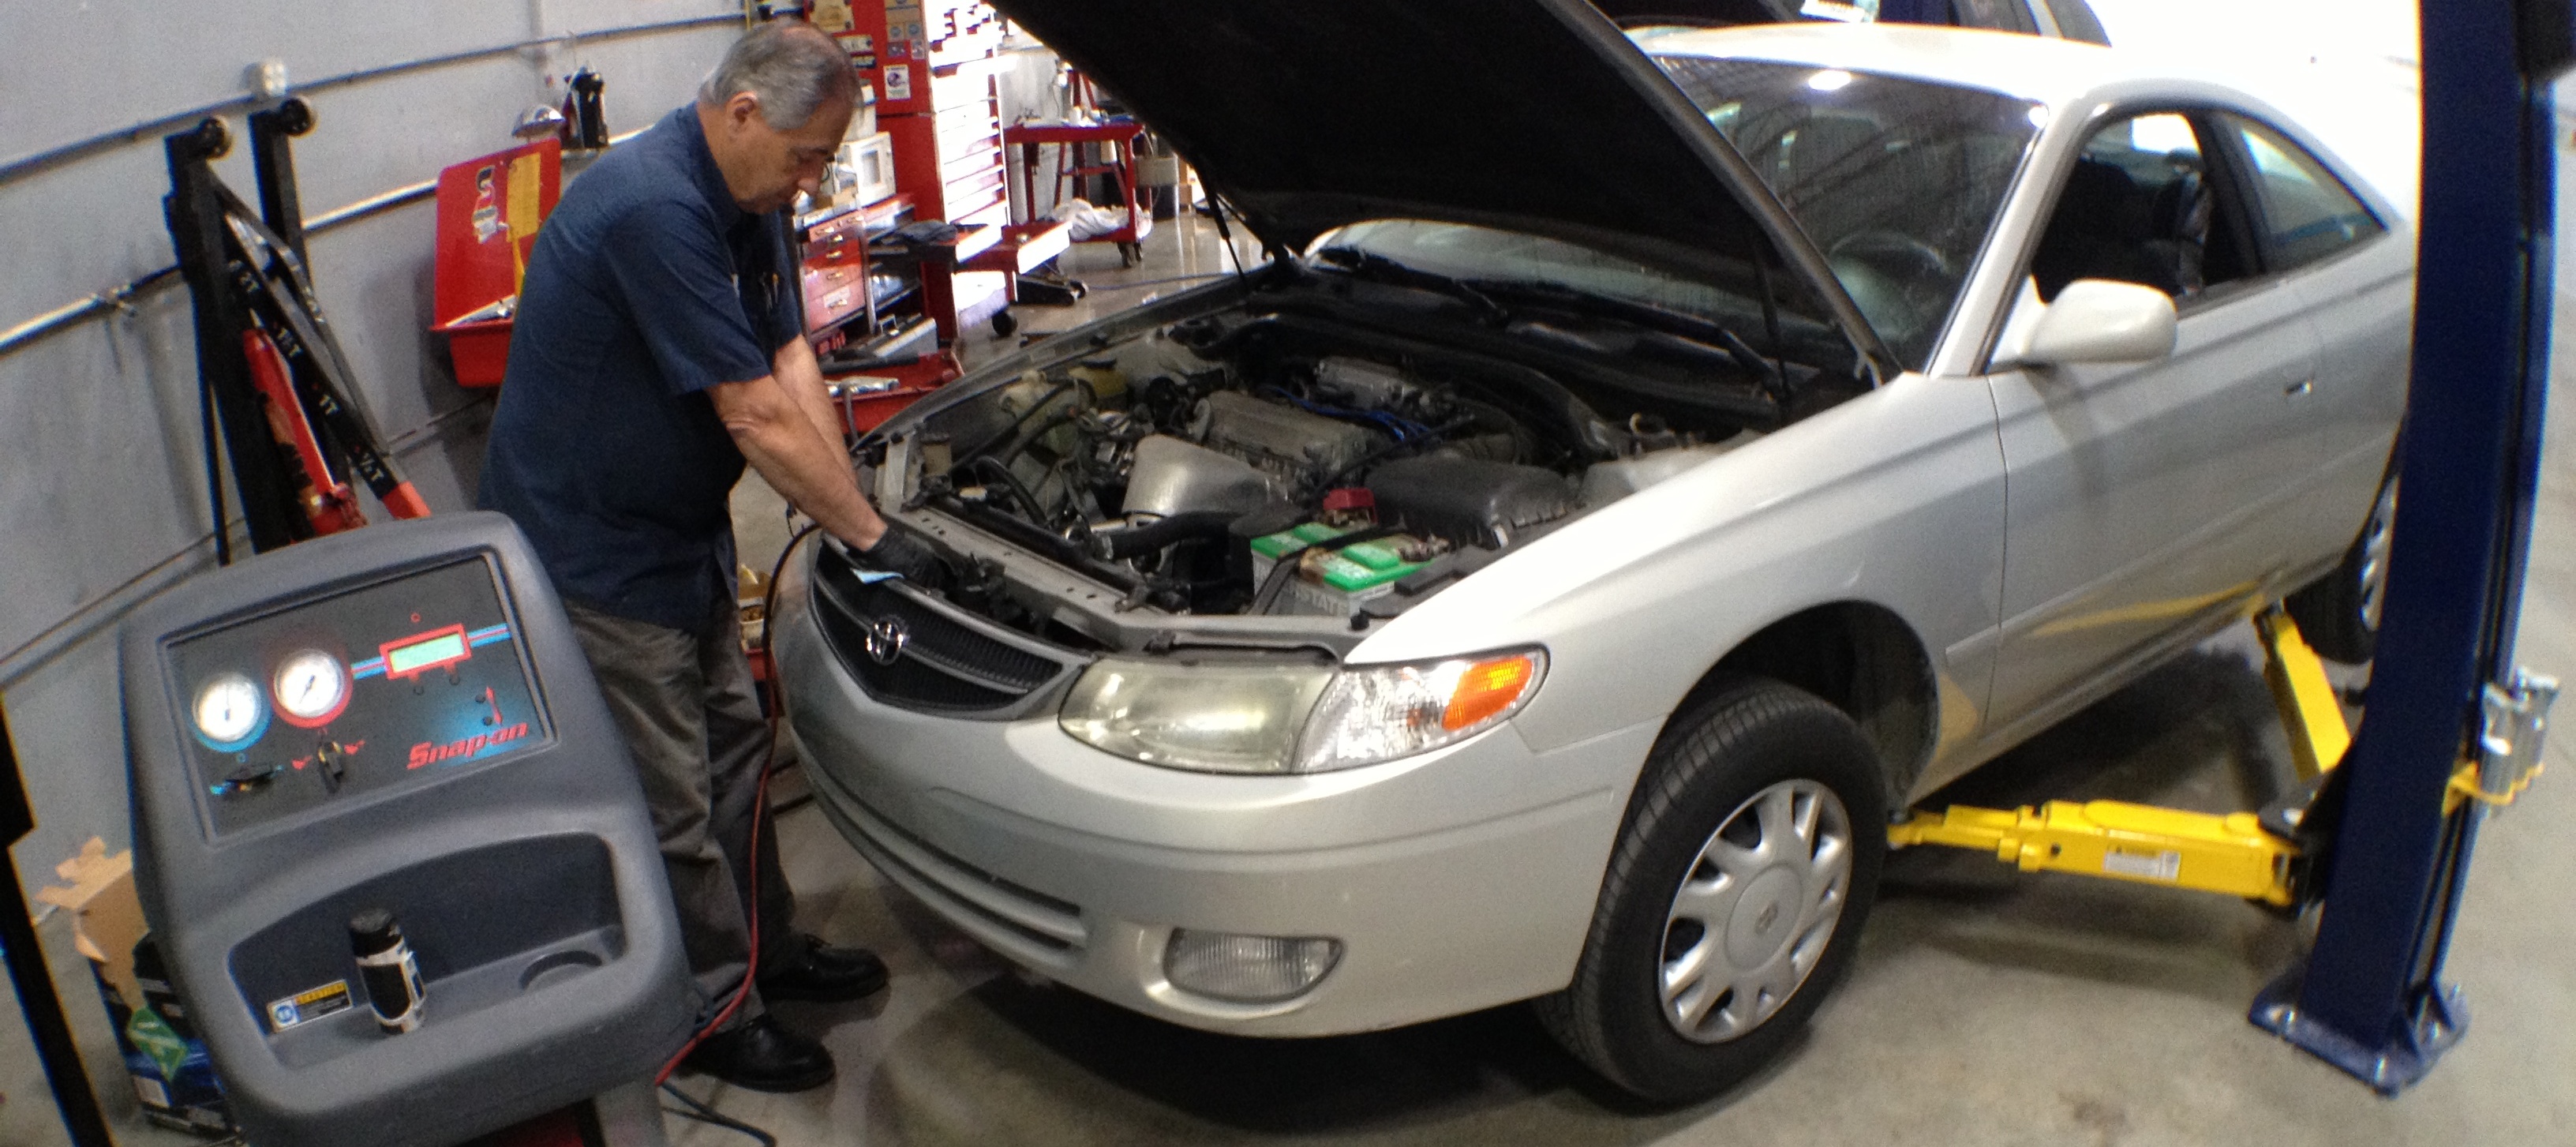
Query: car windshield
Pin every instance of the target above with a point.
(1896, 180)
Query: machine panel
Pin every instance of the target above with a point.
(392, 684)
(388, 741)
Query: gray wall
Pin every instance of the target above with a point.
(102, 493)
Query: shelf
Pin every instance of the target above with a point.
(901, 293)
(1025, 247)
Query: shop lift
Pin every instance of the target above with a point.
(2380, 838)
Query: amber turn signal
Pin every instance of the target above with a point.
(1486, 688)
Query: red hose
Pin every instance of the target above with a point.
(759, 806)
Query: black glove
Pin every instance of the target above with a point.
(899, 553)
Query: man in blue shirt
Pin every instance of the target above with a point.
(659, 345)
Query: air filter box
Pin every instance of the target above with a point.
(1467, 501)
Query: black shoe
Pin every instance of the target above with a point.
(825, 974)
(763, 1055)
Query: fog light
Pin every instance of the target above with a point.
(1247, 969)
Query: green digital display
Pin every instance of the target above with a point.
(444, 647)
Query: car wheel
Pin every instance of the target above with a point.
(1734, 896)
(2338, 614)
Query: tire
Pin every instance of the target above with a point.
(1732, 778)
(2338, 614)
(1004, 323)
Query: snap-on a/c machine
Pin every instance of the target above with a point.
(391, 845)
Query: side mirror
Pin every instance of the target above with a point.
(2098, 320)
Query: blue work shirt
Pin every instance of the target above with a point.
(647, 285)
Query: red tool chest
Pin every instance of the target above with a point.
(907, 47)
(932, 62)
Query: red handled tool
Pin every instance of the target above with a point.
(275, 389)
(327, 501)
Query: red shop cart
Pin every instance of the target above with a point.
(1117, 143)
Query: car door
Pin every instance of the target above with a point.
(2146, 498)
(2356, 276)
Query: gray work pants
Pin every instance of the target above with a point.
(684, 702)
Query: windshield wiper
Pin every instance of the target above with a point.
(1371, 265)
(1486, 297)
(1661, 319)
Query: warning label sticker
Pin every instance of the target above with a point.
(309, 1005)
(2165, 866)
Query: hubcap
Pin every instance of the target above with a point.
(2374, 556)
(1756, 911)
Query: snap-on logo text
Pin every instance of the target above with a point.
(426, 753)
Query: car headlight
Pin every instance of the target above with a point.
(1381, 712)
(1271, 718)
(1218, 717)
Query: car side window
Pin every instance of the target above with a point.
(2139, 207)
(2075, 21)
(2308, 214)
(1998, 15)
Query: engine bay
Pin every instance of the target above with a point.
(1318, 459)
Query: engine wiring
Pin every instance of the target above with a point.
(1403, 430)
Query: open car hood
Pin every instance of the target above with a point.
(1698, 13)
(1531, 115)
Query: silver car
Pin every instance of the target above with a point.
(2070, 19)
(1645, 466)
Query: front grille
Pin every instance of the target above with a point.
(940, 663)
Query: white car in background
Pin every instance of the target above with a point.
(1646, 466)
(2063, 19)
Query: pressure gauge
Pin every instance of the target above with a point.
(230, 712)
(312, 687)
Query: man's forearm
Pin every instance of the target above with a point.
(794, 457)
(814, 478)
(802, 376)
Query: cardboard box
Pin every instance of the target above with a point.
(164, 1059)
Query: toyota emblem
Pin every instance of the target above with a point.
(886, 638)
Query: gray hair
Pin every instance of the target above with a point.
(791, 65)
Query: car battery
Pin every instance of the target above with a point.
(1336, 582)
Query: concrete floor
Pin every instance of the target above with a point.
(1986, 1007)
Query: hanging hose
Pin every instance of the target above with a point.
(759, 802)
(703, 1113)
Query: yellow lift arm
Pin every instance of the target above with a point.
(2229, 853)
(2233, 852)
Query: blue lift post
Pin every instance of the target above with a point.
(2370, 998)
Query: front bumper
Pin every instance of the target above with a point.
(1455, 880)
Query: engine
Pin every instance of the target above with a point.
(1209, 472)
